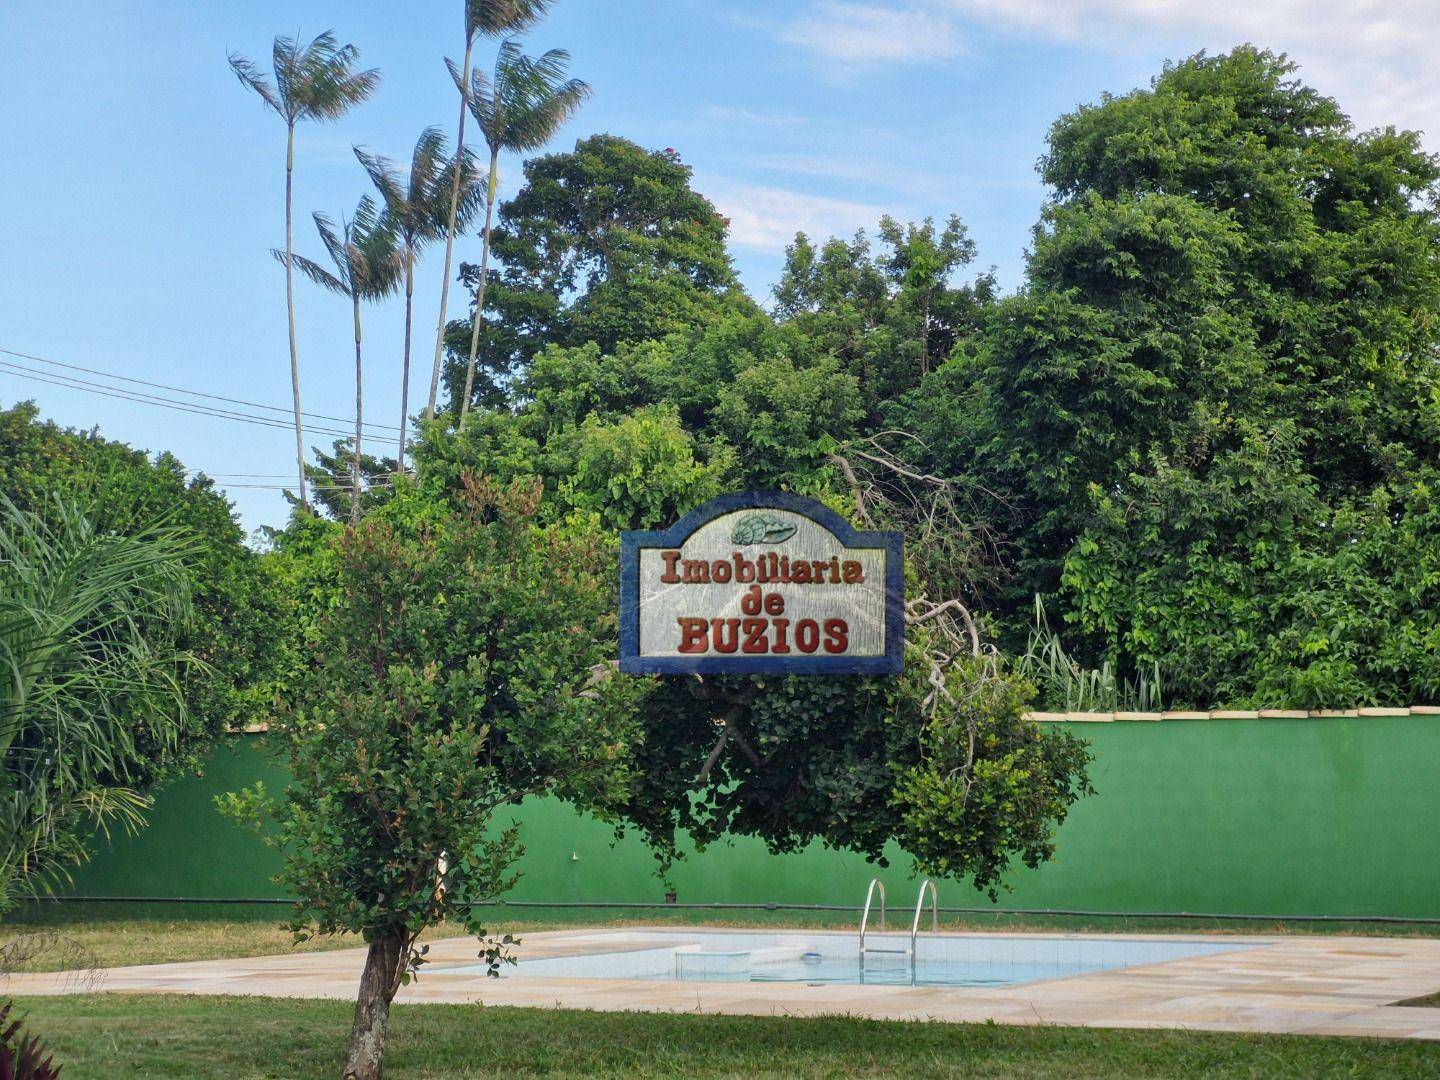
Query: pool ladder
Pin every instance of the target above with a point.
(876, 883)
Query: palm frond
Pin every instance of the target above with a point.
(250, 76)
(532, 128)
(383, 175)
(376, 262)
(520, 106)
(495, 17)
(88, 667)
(335, 242)
(311, 269)
(332, 86)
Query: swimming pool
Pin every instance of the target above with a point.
(819, 957)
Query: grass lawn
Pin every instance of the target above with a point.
(151, 934)
(112, 1035)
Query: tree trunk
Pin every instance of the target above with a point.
(405, 364)
(359, 406)
(480, 292)
(381, 978)
(290, 307)
(450, 229)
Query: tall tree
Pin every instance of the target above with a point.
(91, 688)
(317, 81)
(606, 243)
(492, 18)
(517, 108)
(367, 267)
(889, 316)
(416, 213)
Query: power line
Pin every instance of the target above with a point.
(247, 475)
(73, 383)
(365, 485)
(192, 393)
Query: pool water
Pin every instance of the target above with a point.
(818, 958)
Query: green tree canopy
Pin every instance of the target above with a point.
(605, 244)
(452, 673)
(1223, 365)
(888, 317)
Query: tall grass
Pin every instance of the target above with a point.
(1066, 685)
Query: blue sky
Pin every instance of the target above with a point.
(142, 186)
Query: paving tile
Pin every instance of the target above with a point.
(1332, 985)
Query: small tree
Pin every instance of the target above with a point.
(451, 676)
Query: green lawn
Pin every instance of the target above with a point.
(150, 934)
(112, 1036)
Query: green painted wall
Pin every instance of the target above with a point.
(1320, 816)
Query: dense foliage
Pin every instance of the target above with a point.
(1210, 421)
(92, 711)
(602, 245)
(235, 633)
(859, 763)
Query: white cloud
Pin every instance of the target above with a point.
(848, 35)
(1377, 57)
(767, 218)
(728, 114)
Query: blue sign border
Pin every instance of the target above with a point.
(891, 662)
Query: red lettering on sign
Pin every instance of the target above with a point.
(694, 635)
(837, 635)
(669, 577)
(718, 629)
(755, 639)
(780, 627)
(807, 635)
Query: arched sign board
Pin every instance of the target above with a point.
(759, 583)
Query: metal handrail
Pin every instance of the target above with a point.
(875, 883)
(920, 907)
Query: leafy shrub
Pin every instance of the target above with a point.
(1067, 685)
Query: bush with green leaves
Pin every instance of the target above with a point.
(960, 781)
(92, 702)
(236, 631)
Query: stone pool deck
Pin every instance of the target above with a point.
(1295, 985)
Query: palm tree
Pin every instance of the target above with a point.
(518, 108)
(491, 18)
(416, 212)
(367, 267)
(90, 680)
(314, 82)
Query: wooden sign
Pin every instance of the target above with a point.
(762, 582)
